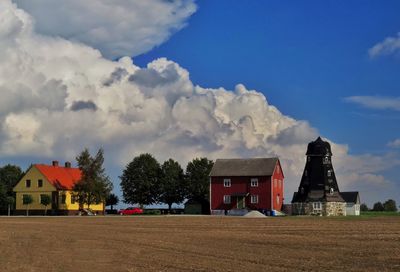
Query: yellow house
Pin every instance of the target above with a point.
(55, 181)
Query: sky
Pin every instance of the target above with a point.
(221, 79)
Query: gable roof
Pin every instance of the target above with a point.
(350, 197)
(60, 177)
(244, 167)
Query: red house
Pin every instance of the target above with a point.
(252, 184)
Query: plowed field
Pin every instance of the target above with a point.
(184, 243)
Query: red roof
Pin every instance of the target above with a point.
(60, 177)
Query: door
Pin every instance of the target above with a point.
(54, 202)
(240, 202)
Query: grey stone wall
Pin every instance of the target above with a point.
(335, 209)
(327, 209)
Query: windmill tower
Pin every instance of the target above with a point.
(318, 192)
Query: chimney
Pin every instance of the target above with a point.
(55, 163)
(67, 164)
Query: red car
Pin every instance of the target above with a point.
(130, 211)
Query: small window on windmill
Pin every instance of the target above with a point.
(302, 190)
(330, 180)
(308, 158)
(305, 173)
(317, 206)
(331, 190)
(326, 160)
(329, 173)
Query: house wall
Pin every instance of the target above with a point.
(352, 209)
(240, 185)
(75, 206)
(33, 174)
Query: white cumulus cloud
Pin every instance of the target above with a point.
(376, 102)
(389, 46)
(117, 28)
(59, 96)
(394, 143)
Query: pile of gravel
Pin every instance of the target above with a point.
(254, 214)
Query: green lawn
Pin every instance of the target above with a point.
(373, 214)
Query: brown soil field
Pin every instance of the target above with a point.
(199, 243)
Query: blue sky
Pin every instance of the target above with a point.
(326, 68)
(306, 57)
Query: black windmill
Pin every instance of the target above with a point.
(318, 183)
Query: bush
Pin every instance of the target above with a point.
(152, 212)
(109, 211)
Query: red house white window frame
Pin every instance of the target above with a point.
(254, 182)
(227, 183)
(227, 199)
(254, 199)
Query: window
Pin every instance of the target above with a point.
(40, 183)
(329, 173)
(331, 190)
(227, 199)
(63, 198)
(26, 199)
(254, 199)
(73, 199)
(254, 182)
(308, 158)
(41, 196)
(317, 206)
(227, 183)
(326, 160)
(28, 183)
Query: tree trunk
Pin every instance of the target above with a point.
(112, 207)
(45, 210)
(169, 208)
(27, 213)
(9, 209)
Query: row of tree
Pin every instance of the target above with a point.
(145, 181)
(388, 206)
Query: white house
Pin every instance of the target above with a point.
(352, 202)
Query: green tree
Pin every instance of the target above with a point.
(390, 206)
(139, 180)
(364, 207)
(172, 183)
(9, 176)
(27, 200)
(198, 180)
(95, 185)
(3, 195)
(10, 203)
(45, 200)
(112, 200)
(378, 207)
